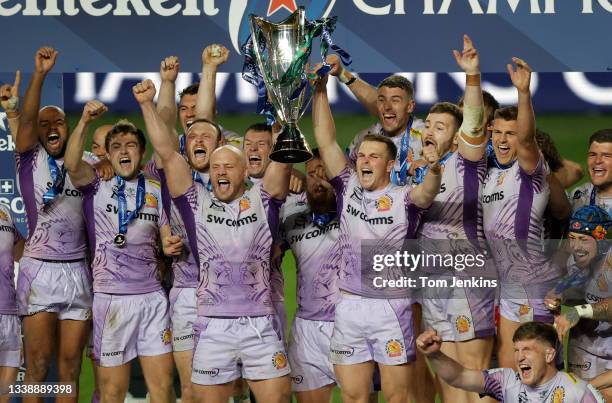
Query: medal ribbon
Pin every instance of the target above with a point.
(322, 220)
(124, 217)
(400, 177)
(58, 177)
(420, 172)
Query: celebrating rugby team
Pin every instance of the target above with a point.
(214, 214)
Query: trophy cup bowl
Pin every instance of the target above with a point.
(281, 52)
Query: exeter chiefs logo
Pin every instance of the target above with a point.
(524, 310)
(279, 360)
(394, 348)
(245, 204)
(166, 336)
(558, 395)
(151, 201)
(384, 203)
(463, 324)
(3, 216)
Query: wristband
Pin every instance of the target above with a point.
(12, 104)
(585, 311)
(351, 81)
(472, 79)
(346, 77)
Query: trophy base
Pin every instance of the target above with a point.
(291, 147)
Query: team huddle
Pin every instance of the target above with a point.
(211, 212)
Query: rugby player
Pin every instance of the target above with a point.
(536, 381)
(124, 219)
(11, 248)
(232, 229)
(599, 161)
(464, 317)
(590, 276)
(370, 207)
(392, 103)
(54, 284)
(514, 199)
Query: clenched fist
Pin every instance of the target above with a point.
(45, 59)
(429, 342)
(144, 91)
(92, 111)
(215, 55)
(169, 68)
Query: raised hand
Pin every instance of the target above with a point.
(468, 60)
(92, 111)
(566, 321)
(429, 342)
(553, 301)
(169, 68)
(335, 63)
(45, 59)
(521, 76)
(215, 55)
(297, 181)
(144, 91)
(9, 95)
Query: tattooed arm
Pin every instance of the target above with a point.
(601, 311)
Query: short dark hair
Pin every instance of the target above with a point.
(601, 136)
(190, 90)
(507, 113)
(450, 108)
(396, 81)
(259, 127)
(391, 147)
(549, 150)
(210, 122)
(124, 126)
(536, 331)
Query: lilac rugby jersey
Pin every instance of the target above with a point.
(514, 203)
(234, 244)
(133, 268)
(385, 218)
(56, 231)
(505, 385)
(8, 237)
(317, 270)
(585, 194)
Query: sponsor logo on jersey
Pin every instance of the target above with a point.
(230, 222)
(357, 194)
(3, 216)
(216, 205)
(463, 324)
(244, 204)
(584, 366)
(297, 379)
(279, 360)
(384, 203)
(558, 395)
(394, 348)
(151, 201)
(493, 197)
(370, 220)
(577, 194)
(111, 353)
(166, 336)
(501, 176)
(184, 337)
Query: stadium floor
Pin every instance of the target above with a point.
(569, 131)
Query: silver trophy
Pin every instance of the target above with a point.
(281, 52)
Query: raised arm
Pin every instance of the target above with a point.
(472, 139)
(601, 311)
(424, 194)
(27, 135)
(212, 57)
(325, 132)
(528, 152)
(9, 101)
(364, 92)
(81, 173)
(277, 177)
(166, 101)
(177, 170)
(451, 371)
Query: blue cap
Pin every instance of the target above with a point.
(591, 220)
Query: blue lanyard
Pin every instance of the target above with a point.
(182, 142)
(58, 176)
(124, 217)
(400, 177)
(593, 196)
(420, 172)
(197, 178)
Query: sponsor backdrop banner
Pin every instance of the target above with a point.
(553, 92)
(382, 35)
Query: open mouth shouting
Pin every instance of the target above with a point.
(598, 172)
(255, 161)
(366, 173)
(503, 150)
(199, 153)
(125, 163)
(223, 184)
(53, 139)
(525, 370)
(389, 119)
